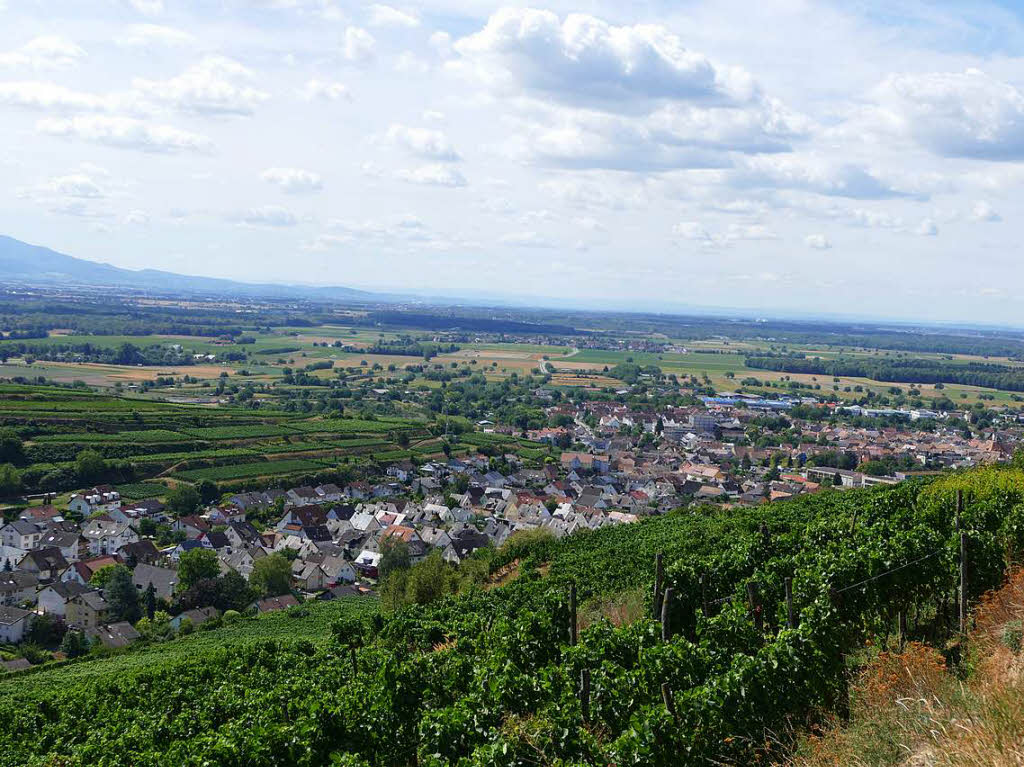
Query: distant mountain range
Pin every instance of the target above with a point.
(22, 263)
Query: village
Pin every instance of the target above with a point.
(617, 464)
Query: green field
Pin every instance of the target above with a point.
(314, 625)
(250, 470)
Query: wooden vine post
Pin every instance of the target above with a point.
(903, 629)
(754, 600)
(585, 694)
(572, 614)
(704, 606)
(666, 618)
(963, 583)
(670, 703)
(659, 578)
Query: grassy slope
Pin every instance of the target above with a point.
(910, 708)
(314, 626)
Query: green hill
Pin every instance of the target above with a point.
(490, 678)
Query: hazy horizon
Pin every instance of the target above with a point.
(815, 160)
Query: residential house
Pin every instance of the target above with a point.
(41, 514)
(14, 622)
(114, 635)
(72, 545)
(162, 579)
(88, 610)
(53, 600)
(83, 571)
(463, 544)
(106, 536)
(46, 564)
(241, 559)
(308, 576)
(192, 526)
(241, 534)
(21, 534)
(140, 552)
(302, 496)
(196, 617)
(99, 498)
(329, 493)
(338, 570)
(18, 587)
(272, 604)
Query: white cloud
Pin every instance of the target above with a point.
(590, 193)
(324, 90)
(268, 215)
(673, 136)
(214, 86)
(441, 42)
(386, 16)
(74, 185)
(44, 52)
(359, 45)
(969, 114)
(816, 174)
(430, 144)
(137, 218)
(735, 232)
(433, 175)
(293, 180)
(983, 211)
(148, 7)
(586, 61)
(125, 133)
(817, 241)
(46, 96)
(692, 230)
(873, 219)
(528, 240)
(146, 35)
(927, 228)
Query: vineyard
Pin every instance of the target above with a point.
(727, 673)
(245, 470)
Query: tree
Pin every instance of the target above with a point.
(46, 631)
(75, 644)
(195, 566)
(208, 491)
(394, 556)
(149, 601)
(122, 596)
(184, 500)
(90, 466)
(11, 447)
(102, 576)
(235, 593)
(271, 576)
(10, 481)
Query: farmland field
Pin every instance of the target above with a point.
(249, 470)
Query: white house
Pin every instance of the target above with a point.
(100, 498)
(106, 536)
(21, 535)
(14, 622)
(53, 600)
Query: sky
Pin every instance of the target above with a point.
(855, 158)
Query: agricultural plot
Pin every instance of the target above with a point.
(240, 432)
(139, 491)
(250, 470)
(150, 436)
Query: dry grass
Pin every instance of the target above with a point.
(620, 609)
(907, 709)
